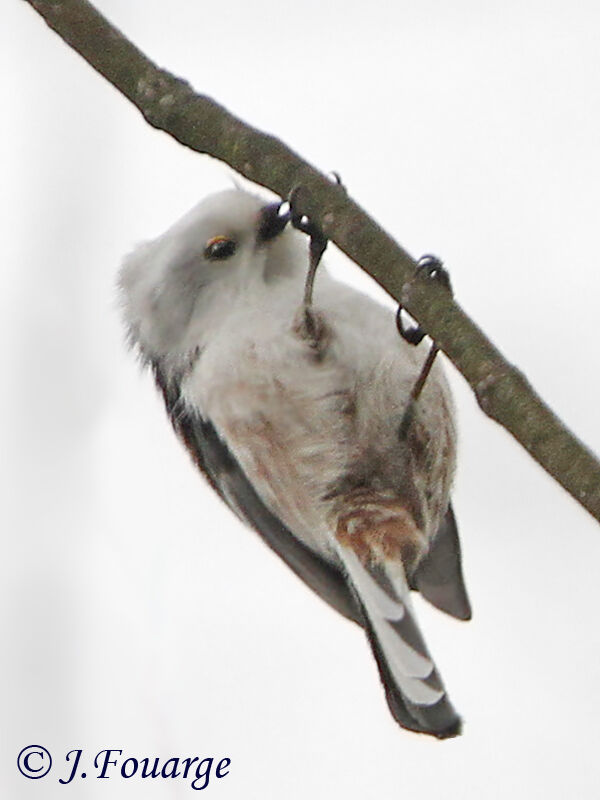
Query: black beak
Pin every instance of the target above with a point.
(271, 222)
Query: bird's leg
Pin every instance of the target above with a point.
(310, 326)
(409, 411)
(317, 245)
(432, 268)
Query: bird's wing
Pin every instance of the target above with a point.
(224, 473)
(439, 577)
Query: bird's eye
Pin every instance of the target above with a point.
(219, 248)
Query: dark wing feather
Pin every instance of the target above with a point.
(227, 478)
(439, 576)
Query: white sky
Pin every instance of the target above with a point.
(138, 613)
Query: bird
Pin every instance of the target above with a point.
(292, 412)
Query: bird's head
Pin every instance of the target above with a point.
(221, 248)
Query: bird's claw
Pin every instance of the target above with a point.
(428, 268)
(413, 335)
(432, 268)
(304, 224)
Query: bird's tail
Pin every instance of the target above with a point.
(414, 691)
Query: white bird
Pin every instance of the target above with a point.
(295, 425)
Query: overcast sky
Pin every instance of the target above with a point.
(138, 613)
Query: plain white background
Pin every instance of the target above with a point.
(137, 612)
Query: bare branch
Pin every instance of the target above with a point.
(170, 104)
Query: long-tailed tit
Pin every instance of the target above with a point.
(293, 416)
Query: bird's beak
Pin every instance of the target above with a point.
(271, 222)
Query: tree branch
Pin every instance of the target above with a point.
(169, 104)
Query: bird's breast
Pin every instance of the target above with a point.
(288, 420)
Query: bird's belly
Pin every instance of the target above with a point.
(291, 430)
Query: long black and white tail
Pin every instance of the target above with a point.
(414, 690)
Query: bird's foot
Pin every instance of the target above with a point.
(428, 268)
